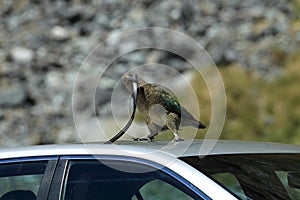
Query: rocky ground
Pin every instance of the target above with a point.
(43, 43)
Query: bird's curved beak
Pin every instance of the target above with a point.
(132, 77)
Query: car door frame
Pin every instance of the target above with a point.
(44, 187)
(57, 184)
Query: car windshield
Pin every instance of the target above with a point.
(253, 176)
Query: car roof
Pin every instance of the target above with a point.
(174, 149)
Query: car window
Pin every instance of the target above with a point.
(294, 192)
(21, 180)
(253, 176)
(231, 182)
(158, 189)
(92, 179)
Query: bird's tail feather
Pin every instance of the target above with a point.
(201, 125)
(194, 123)
(189, 120)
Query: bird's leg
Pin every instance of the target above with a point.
(153, 129)
(171, 124)
(177, 138)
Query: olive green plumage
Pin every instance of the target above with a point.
(160, 108)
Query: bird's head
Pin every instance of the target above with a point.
(128, 79)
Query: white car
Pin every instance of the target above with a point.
(151, 170)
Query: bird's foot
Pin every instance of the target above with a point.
(178, 139)
(143, 139)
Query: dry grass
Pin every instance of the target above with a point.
(259, 109)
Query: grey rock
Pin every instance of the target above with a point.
(21, 55)
(228, 15)
(217, 50)
(54, 80)
(220, 30)
(251, 12)
(13, 95)
(60, 33)
(245, 30)
(175, 14)
(208, 8)
(107, 83)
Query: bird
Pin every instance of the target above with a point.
(160, 108)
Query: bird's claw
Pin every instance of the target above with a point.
(178, 139)
(143, 139)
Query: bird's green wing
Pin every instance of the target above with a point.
(171, 103)
(167, 99)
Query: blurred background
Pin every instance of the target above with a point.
(254, 43)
